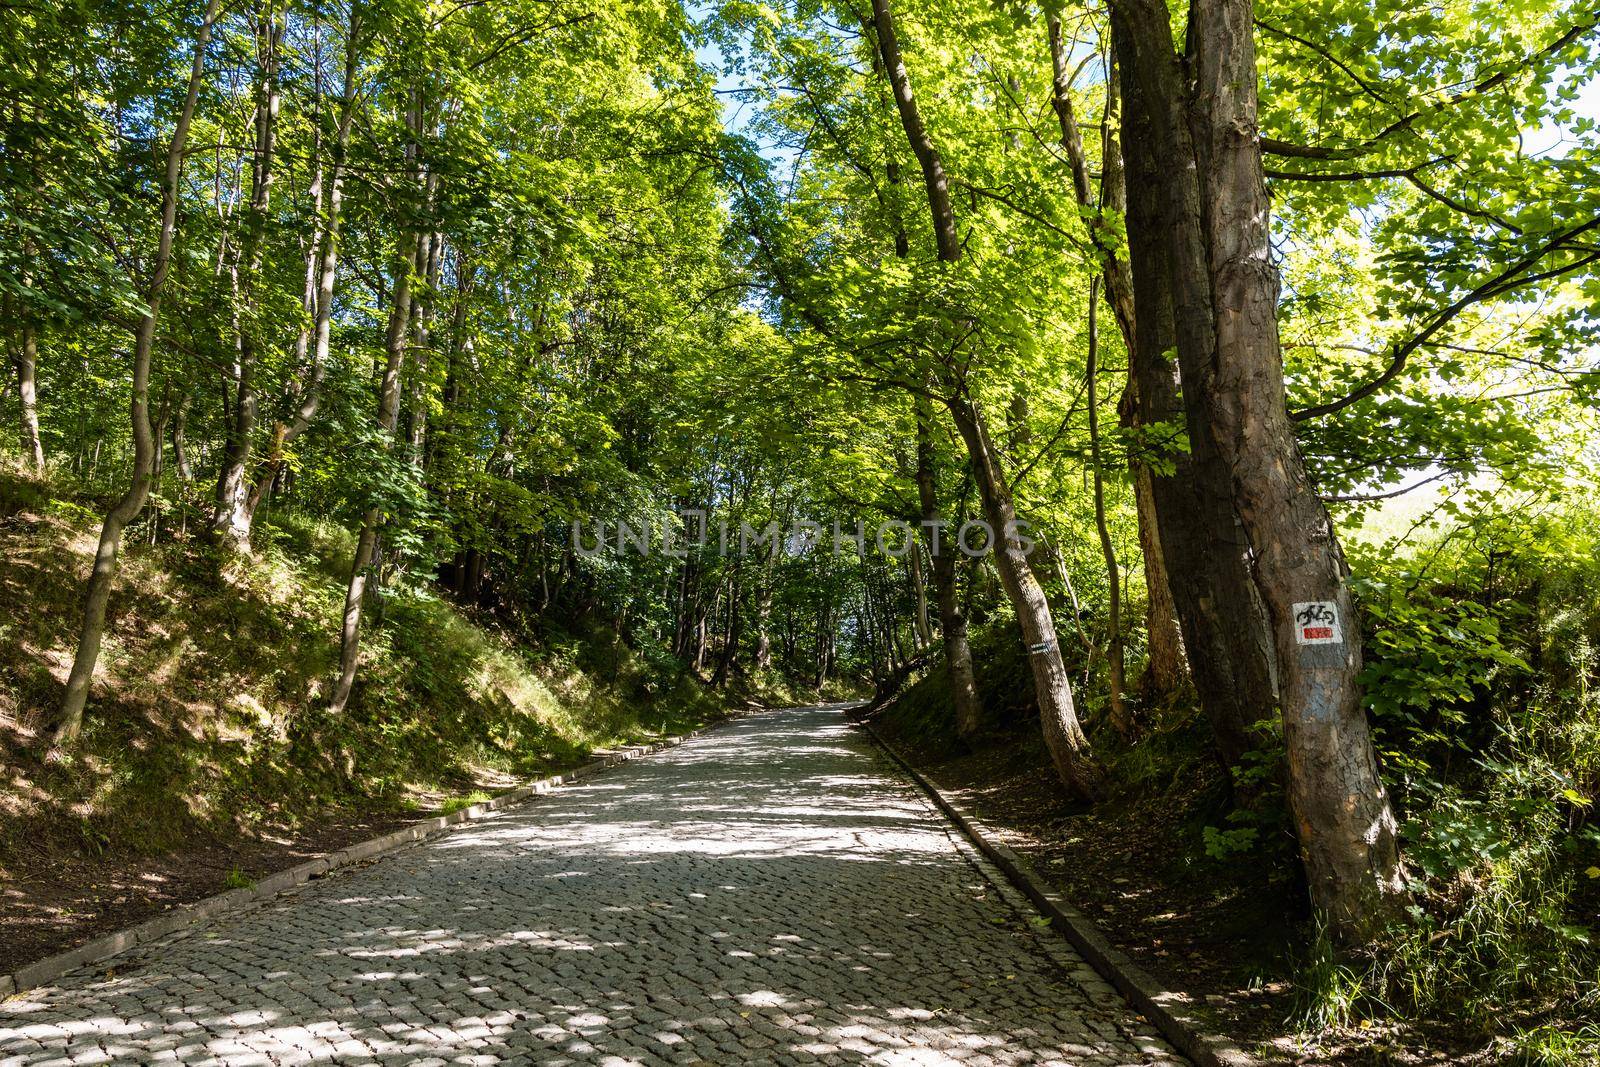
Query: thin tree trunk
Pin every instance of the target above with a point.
(1121, 719)
(952, 623)
(417, 398)
(180, 442)
(1069, 746)
(731, 634)
(920, 621)
(388, 422)
(69, 719)
(1166, 668)
(764, 606)
(322, 271)
(28, 394)
(231, 517)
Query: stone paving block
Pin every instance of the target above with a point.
(771, 893)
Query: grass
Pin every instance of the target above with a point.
(1556, 1046)
(237, 879)
(205, 719)
(452, 805)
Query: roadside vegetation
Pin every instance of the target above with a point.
(1480, 684)
(1180, 418)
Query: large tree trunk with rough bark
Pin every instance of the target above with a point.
(69, 719)
(1224, 628)
(1224, 289)
(1347, 830)
(1166, 671)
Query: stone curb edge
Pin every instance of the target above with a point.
(106, 946)
(1169, 1011)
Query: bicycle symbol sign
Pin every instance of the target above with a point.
(1317, 623)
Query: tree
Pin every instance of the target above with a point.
(1069, 747)
(1215, 261)
(104, 573)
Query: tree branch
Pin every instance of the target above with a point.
(1503, 282)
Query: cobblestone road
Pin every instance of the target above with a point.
(771, 892)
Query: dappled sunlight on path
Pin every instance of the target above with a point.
(768, 893)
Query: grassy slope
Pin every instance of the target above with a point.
(203, 725)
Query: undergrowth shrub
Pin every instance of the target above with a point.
(1480, 685)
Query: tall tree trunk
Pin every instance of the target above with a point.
(322, 269)
(764, 605)
(731, 635)
(231, 517)
(1223, 625)
(920, 620)
(1224, 289)
(388, 422)
(417, 394)
(1166, 668)
(180, 440)
(1121, 719)
(69, 718)
(1166, 672)
(1347, 830)
(952, 623)
(1069, 746)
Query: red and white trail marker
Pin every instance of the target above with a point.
(1316, 622)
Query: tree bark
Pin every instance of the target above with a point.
(764, 605)
(417, 398)
(1348, 834)
(1223, 625)
(69, 718)
(322, 271)
(1069, 747)
(28, 395)
(180, 441)
(731, 634)
(1166, 666)
(1121, 718)
(935, 181)
(388, 422)
(1166, 672)
(1215, 224)
(231, 517)
(920, 621)
(1064, 736)
(952, 623)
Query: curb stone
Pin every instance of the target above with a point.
(184, 916)
(1171, 1012)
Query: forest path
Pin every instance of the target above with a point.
(771, 892)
